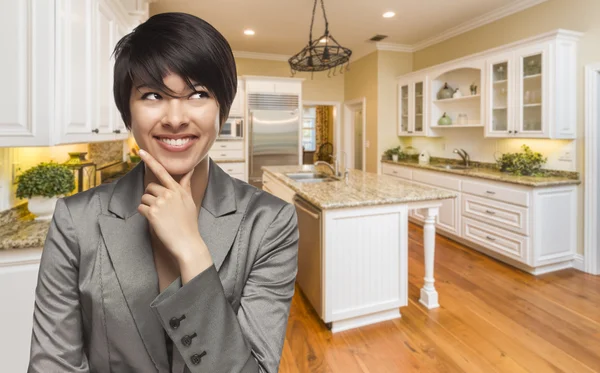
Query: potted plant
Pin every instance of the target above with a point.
(43, 185)
(526, 163)
(393, 153)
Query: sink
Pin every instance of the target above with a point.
(452, 166)
(310, 177)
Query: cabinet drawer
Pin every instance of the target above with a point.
(435, 179)
(502, 194)
(228, 145)
(496, 239)
(503, 215)
(226, 154)
(402, 172)
(233, 168)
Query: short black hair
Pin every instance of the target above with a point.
(177, 43)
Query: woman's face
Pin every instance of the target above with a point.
(178, 131)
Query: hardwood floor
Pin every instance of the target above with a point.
(493, 318)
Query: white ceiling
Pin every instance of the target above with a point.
(282, 26)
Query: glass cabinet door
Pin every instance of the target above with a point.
(500, 96)
(403, 106)
(418, 109)
(531, 103)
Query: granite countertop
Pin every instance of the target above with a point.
(488, 171)
(361, 189)
(233, 160)
(19, 230)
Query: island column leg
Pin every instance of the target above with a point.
(429, 296)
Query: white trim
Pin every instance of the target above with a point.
(337, 122)
(579, 262)
(261, 56)
(348, 120)
(380, 46)
(591, 198)
(476, 22)
(270, 78)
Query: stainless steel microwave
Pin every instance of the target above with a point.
(232, 128)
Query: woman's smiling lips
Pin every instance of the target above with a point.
(176, 143)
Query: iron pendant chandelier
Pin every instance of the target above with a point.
(323, 53)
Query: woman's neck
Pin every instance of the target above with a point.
(199, 181)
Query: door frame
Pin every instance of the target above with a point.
(591, 249)
(349, 107)
(336, 121)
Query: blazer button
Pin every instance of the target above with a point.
(196, 358)
(174, 322)
(187, 339)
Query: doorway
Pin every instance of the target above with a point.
(355, 133)
(320, 131)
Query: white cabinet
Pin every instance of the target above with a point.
(60, 72)
(412, 107)
(18, 276)
(531, 228)
(237, 169)
(532, 89)
(238, 104)
(26, 72)
(270, 85)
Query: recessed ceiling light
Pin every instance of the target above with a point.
(388, 14)
(249, 32)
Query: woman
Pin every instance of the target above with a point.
(176, 266)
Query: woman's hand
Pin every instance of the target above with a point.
(172, 214)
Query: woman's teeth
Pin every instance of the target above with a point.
(178, 142)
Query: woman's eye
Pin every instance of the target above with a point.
(200, 94)
(151, 96)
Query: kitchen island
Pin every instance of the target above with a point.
(353, 250)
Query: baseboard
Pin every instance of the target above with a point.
(579, 262)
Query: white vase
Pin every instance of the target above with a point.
(395, 157)
(42, 207)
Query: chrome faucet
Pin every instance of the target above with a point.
(464, 155)
(335, 168)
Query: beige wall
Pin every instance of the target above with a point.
(361, 81)
(390, 66)
(577, 15)
(319, 88)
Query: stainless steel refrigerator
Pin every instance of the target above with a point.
(274, 133)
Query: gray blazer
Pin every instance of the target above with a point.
(97, 301)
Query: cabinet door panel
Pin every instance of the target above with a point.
(418, 108)
(104, 38)
(500, 96)
(120, 129)
(74, 93)
(258, 86)
(402, 109)
(448, 215)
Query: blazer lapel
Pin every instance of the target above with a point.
(127, 240)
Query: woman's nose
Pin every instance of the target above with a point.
(175, 115)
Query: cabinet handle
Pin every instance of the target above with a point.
(394, 172)
(223, 155)
(490, 238)
(229, 169)
(95, 130)
(490, 212)
(515, 131)
(509, 131)
(223, 146)
(410, 131)
(117, 131)
(490, 192)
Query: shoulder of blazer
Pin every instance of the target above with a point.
(90, 203)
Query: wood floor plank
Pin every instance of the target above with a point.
(493, 318)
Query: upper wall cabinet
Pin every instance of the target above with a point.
(26, 72)
(531, 90)
(412, 106)
(69, 101)
(270, 85)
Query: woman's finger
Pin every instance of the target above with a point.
(148, 199)
(158, 170)
(155, 189)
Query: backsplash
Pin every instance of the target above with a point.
(103, 153)
(483, 149)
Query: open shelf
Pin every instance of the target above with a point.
(475, 125)
(464, 98)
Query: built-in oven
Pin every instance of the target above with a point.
(233, 128)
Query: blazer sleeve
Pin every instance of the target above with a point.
(57, 335)
(203, 325)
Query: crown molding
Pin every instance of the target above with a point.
(484, 19)
(393, 47)
(261, 56)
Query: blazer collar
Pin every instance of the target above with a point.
(219, 197)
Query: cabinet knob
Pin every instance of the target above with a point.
(95, 130)
(117, 131)
(515, 131)
(509, 131)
